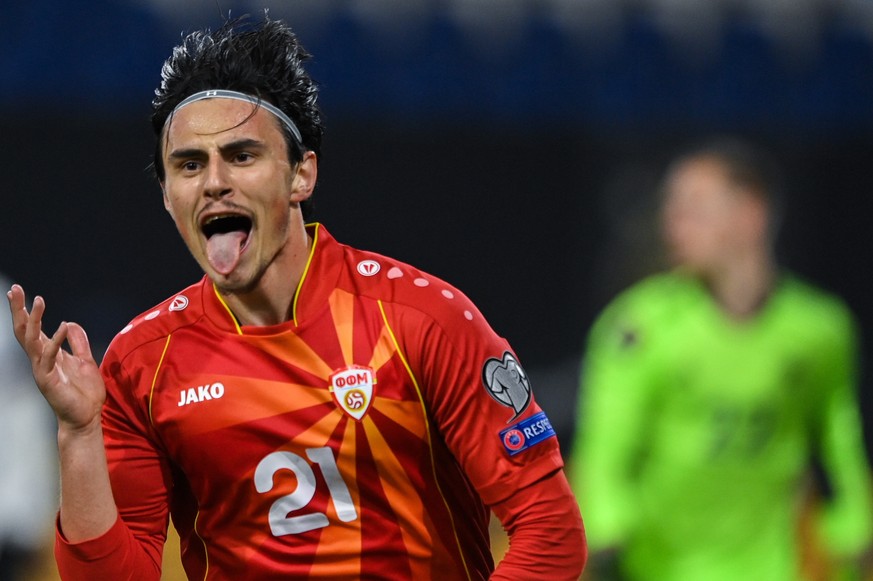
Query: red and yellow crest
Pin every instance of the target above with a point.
(352, 389)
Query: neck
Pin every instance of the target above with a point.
(271, 301)
(742, 286)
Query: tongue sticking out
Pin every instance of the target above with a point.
(223, 250)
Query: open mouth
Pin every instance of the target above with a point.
(226, 224)
(226, 238)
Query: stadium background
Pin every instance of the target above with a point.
(511, 147)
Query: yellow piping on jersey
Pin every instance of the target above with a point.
(205, 548)
(229, 312)
(427, 431)
(151, 419)
(305, 271)
(155, 377)
(296, 292)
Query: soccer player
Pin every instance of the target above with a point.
(708, 393)
(307, 410)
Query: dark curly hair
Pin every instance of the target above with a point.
(264, 60)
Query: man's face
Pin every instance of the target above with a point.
(230, 188)
(706, 219)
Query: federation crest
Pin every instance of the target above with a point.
(507, 383)
(352, 389)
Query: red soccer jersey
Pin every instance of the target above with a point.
(362, 439)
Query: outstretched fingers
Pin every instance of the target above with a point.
(20, 317)
(28, 331)
(33, 334)
(68, 379)
(26, 326)
(42, 350)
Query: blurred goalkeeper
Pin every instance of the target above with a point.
(709, 393)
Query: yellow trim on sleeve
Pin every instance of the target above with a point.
(155, 377)
(427, 431)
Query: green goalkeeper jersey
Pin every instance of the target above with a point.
(696, 432)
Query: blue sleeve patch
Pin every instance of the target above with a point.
(527, 433)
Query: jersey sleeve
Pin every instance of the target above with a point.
(847, 520)
(619, 373)
(450, 356)
(545, 537)
(482, 405)
(141, 485)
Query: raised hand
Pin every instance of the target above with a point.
(69, 380)
(71, 383)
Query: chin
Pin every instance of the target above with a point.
(236, 282)
(231, 286)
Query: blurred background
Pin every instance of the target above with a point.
(511, 147)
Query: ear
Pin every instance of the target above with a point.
(303, 182)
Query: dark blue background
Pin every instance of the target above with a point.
(521, 170)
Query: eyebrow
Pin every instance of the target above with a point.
(238, 145)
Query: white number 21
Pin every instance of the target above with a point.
(280, 522)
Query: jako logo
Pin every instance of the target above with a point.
(369, 267)
(201, 393)
(179, 303)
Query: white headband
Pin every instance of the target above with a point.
(237, 96)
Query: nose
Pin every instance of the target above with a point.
(217, 181)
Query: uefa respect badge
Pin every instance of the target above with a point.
(527, 433)
(352, 389)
